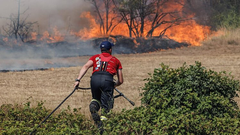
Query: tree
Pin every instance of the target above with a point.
(138, 14)
(126, 10)
(160, 16)
(106, 16)
(216, 13)
(134, 13)
(17, 27)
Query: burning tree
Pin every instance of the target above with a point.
(142, 17)
(106, 13)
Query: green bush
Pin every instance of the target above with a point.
(186, 100)
(228, 19)
(22, 119)
(193, 88)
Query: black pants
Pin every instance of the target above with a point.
(102, 87)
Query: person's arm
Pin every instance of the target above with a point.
(120, 78)
(83, 71)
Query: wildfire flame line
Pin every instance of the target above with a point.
(188, 31)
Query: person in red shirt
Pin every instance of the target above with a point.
(105, 67)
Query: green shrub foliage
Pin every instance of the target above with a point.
(186, 100)
(192, 88)
(225, 14)
(22, 119)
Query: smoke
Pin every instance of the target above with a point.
(202, 10)
(63, 14)
(43, 56)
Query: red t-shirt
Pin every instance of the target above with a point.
(113, 64)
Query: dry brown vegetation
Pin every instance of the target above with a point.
(54, 85)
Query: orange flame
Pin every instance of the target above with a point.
(92, 32)
(5, 39)
(34, 36)
(188, 31)
(57, 36)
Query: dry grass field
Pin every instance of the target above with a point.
(54, 85)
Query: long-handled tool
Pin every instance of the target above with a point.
(121, 94)
(56, 108)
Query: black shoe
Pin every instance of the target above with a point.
(100, 127)
(96, 118)
(98, 122)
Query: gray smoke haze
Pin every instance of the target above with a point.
(43, 56)
(61, 14)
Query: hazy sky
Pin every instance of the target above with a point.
(48, 13)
